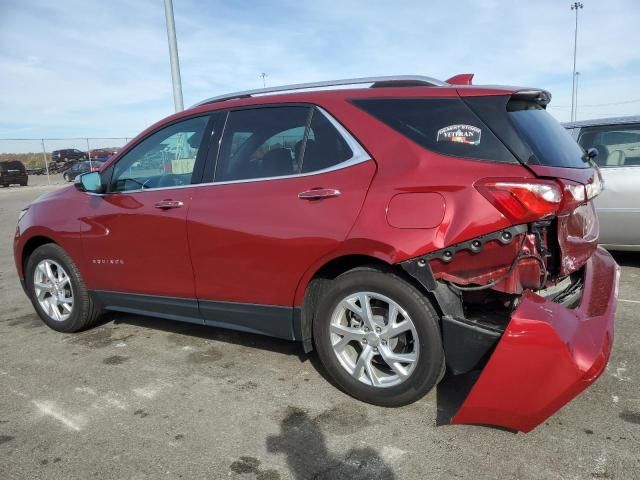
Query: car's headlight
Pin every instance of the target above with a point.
(22, 213)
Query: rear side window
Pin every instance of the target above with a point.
(551, 143)
(445, 126)
(325, 147)
(617, 145)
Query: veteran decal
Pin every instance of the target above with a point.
(460, 134)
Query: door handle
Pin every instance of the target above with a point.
(168, 204)
(319, 193)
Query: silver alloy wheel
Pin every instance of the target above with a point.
(374, 339)
(53, 290)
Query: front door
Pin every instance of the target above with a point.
(289, 184)
(135, 236)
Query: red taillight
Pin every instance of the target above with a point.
(522, 200)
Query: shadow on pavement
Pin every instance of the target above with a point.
(627, 259)
(451, 393)
(302, 441)
(262, 342)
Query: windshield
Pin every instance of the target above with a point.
(551, 144)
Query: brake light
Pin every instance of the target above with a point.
(522, 200)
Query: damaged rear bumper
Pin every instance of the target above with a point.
(547, 355)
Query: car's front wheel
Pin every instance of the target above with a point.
(57, 290)
(379, 337)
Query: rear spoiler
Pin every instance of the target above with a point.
(541, 97)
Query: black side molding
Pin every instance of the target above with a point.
(171, 308)
(270, 320)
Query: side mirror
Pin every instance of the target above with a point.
(89, 182)
(592, 153)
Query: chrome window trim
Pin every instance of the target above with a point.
(359, 155)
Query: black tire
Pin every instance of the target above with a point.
(85, 312)
(430, 364)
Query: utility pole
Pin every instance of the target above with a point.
(574, 6)
(173, 56)
(264, 82)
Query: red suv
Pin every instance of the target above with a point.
(402, 227)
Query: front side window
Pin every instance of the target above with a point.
(164, 159)
(617, 145)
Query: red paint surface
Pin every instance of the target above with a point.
(547, 355)
(252, 242)
(416, 210)
(461, 79)
(148, 246)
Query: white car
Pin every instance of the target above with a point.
(617, 141)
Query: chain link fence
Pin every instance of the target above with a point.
(49, 156)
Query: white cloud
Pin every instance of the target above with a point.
(93, 68)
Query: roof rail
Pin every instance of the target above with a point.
(387, 81)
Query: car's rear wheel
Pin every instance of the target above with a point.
(379, 338)
(57, 290)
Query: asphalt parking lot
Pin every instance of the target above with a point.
(144, 398)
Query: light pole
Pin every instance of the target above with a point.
(574, 6)
(173, 56)
(264, 81)
(575, 110)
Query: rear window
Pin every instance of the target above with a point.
(12, 165)
(445, 126)
(551, 144)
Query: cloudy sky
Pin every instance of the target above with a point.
(75, 68)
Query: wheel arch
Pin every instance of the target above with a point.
(31, 245)
(313, 288)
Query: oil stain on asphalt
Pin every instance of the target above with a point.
(210, 355)
(98, 338)
(252, 465)
(26, 322)
(115, 360)
(631, 417)
(343, 419)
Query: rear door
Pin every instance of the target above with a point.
(618, 206)
(289, 183)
